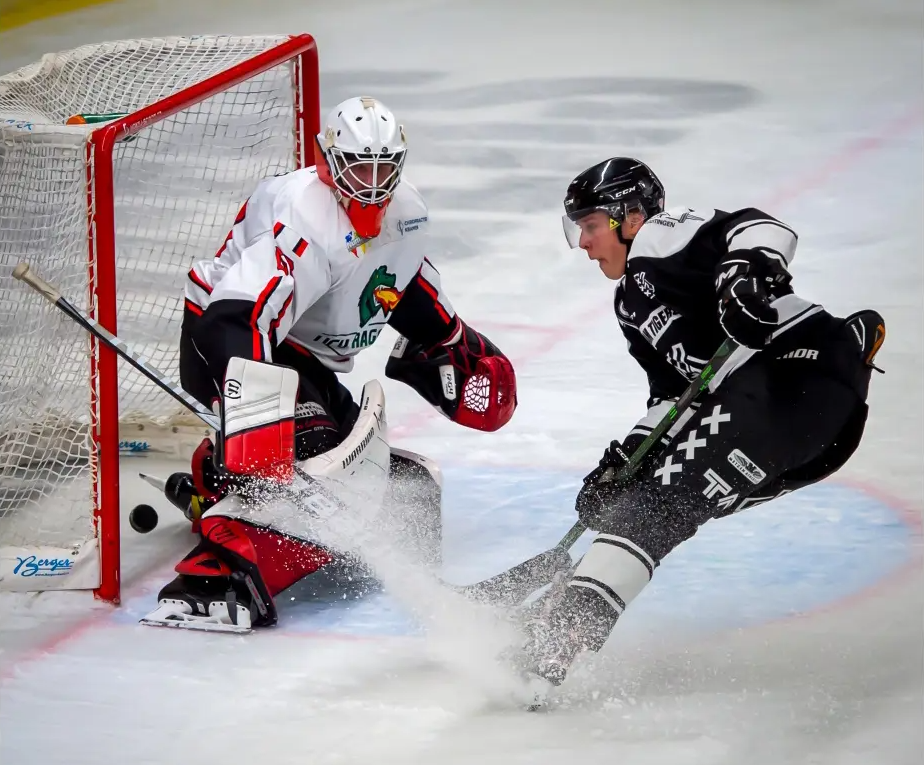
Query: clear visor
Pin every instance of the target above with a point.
(584, 221)
(367, 178)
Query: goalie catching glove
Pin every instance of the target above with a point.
(467, 378)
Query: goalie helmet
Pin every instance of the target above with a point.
(616, 186)
(360, 154)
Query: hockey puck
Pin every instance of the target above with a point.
(143, 518)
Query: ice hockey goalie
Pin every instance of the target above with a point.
(315, 264)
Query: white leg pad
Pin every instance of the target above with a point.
(425, 462)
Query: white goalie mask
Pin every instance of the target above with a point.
(360, 154)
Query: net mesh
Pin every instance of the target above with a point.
(178, 185)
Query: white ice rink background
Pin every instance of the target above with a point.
(791, 633)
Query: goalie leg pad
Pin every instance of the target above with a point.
(272, 560)
(413, 502)
(228, 582)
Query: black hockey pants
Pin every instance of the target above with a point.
(788, 418)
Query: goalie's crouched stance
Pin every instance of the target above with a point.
(281, 424)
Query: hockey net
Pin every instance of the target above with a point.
(176, 133)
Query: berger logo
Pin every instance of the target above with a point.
(744, 465)
(18, 124)
(134, 447)
(32, 565)
(379, 294)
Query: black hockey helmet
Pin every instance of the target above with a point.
(617, 186)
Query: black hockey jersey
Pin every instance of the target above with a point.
(667, 304)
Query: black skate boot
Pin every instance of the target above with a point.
(219, 587)
(210, 603)
(577, 620)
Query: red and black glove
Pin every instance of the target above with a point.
(467, 378)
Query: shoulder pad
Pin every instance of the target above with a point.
(669, 232)
(308, 206)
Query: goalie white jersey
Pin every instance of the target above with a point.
(292, 268)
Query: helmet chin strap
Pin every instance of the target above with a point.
(622, 239)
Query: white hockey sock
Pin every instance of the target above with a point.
(615, 568)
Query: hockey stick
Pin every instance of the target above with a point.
(25, 274)
(530, 575)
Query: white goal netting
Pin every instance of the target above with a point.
(177, 186)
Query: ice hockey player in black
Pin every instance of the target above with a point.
(787, 410)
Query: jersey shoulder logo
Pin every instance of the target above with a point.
(379, 294)
(667, 219)
(646, 287)
(355, 244)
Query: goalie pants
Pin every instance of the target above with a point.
(779, 423)
(324, 413)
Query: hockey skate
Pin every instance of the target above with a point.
(209, 604)
(560, 626)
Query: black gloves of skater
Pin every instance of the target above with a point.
(746, 281)
(600, 486)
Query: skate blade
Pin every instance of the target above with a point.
(197, 626)
(176, 615)
(537, 692)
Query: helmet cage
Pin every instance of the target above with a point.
(369, 178)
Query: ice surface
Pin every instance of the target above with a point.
(790, 633)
